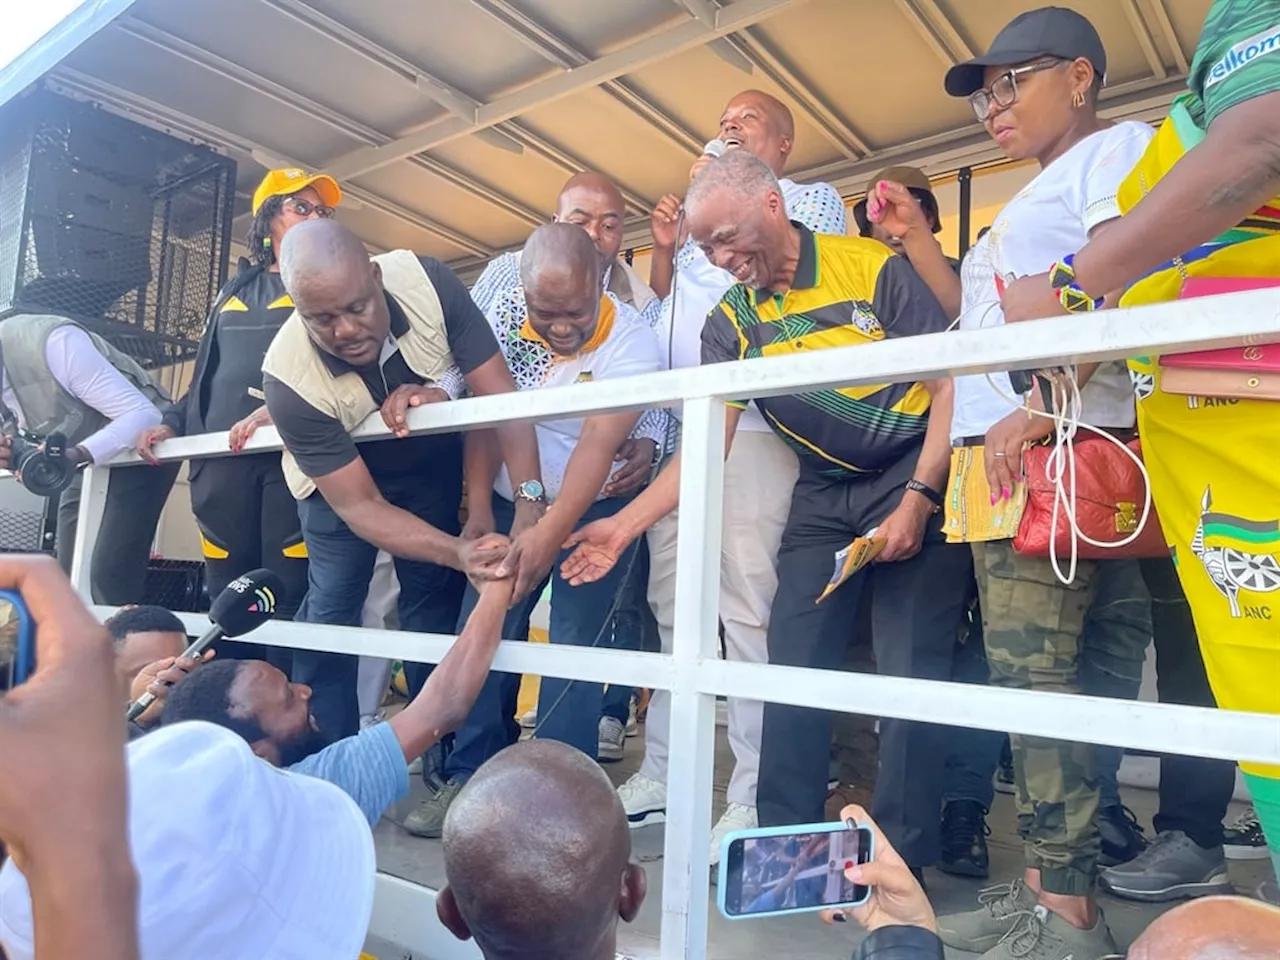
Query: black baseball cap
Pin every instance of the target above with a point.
(1046, 32)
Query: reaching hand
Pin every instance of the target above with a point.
(665, 222)
(246, 428)
(481, 558)
(895, 208)
(148, 438)
(599, 544)
(896, 898)
(479, 523)
(159, 678)
(396, 407)
(532, 555)
(636, 457)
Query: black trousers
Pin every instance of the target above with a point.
(135, 498)
(1194, 791)
(917, 607)
(248, 519)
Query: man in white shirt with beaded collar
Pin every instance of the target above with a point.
(555, 329)
(759, 473)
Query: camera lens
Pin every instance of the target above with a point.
(42, 474)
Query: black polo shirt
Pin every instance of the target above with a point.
(321, 444)
(846, 291)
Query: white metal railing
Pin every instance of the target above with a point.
(693, 673)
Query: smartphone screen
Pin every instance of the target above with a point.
(794, 872)
(17, 640)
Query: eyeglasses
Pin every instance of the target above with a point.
(304, 208)
(1003, 92)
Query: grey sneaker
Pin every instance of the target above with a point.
(999, 908)
(612, 736)
(1174, 867)
(1043, 935)
(428, 819)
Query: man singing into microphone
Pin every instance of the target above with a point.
(369, 335)
(758, 477)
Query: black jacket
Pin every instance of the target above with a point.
(185, 417)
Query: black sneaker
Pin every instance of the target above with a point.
(964, 840)
(1243, 839)
(1122, 837)
(1004, 780)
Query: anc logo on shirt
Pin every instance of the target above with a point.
(1240, 555)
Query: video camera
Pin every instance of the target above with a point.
(43, 467)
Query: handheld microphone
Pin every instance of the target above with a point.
(715, 148)
(243, 606)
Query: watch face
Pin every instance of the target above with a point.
(532, 489)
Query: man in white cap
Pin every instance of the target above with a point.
(228, 857)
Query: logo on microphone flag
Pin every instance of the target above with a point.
(265, 601)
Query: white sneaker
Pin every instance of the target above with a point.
(612, 736)
(529, 720)
(737, 816)
(645, 801)
(415, 767)
(633, 727)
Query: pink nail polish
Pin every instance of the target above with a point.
(1005, 494)
(994, 498)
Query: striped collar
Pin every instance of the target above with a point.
(604, 327)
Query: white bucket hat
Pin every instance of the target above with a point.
(235, 858)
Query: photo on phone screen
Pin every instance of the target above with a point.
(770, 873)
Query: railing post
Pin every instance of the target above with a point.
(93, 504)
(689, 776)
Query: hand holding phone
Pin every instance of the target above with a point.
(776, 870)
(895, 898)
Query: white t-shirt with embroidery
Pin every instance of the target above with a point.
(1048, 219)
(699, 284)
(630, 349)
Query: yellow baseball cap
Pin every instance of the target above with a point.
(289, 180)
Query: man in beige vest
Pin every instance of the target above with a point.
(371, 335)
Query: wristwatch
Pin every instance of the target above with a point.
(532, 491)
(926, 491)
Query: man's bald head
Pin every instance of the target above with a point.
(561, 275)
(336, 289)
(762, 124)
(593, 202)
(537, 857)
(1215, 928)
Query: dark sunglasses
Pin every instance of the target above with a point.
(304, 208)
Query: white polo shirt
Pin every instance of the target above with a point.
(700, 284)
(622, 346)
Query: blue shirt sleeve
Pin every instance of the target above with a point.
(369, 767)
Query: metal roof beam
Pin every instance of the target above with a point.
(801, 98)
(937, 30)
(701, 10)
(568, 162)
(1170, 36)
(549, 45)
(342, 124)
(1142, 30)
(652, 49)
(179, 124)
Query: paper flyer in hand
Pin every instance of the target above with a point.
(851, 559)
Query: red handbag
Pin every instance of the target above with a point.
(1110, 492)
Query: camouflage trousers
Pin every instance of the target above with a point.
(1032, 628)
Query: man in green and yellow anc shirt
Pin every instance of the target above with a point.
(873, 459)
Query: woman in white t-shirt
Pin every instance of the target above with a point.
(1036, 92)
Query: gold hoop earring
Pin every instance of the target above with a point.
(1077, 99)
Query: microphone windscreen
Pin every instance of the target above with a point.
(715, 148)
(248, 602)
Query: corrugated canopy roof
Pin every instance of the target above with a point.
(453, 123)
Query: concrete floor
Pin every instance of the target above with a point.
(801, 937)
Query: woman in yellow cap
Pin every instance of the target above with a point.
(247, 517)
